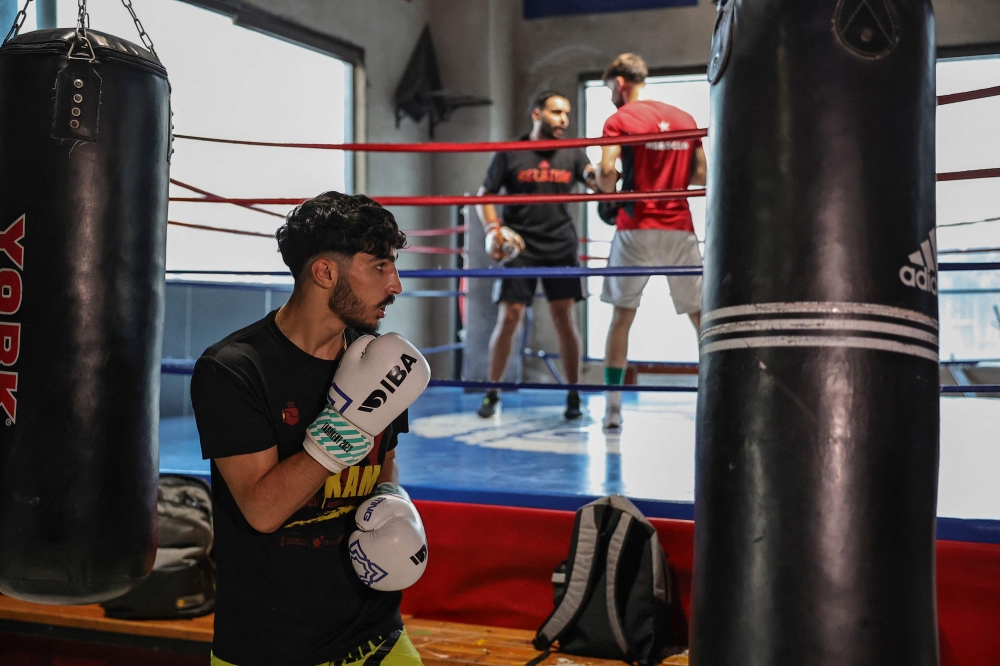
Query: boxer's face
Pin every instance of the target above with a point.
(366, 286)
(554, 118)
(615, 85)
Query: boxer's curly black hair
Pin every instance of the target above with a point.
(343, 224)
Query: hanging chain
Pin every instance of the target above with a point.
(82, 23)
(18, 22)
(146, 39)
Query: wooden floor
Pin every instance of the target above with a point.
(439, 643)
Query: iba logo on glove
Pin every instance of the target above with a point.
(396, 376)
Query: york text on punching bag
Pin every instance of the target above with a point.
(10, 303)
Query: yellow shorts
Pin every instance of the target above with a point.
(392, 650)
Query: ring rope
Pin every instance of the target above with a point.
(415, 249)
(452, 200)
(969, 250)
(194, 189)
(968, 175)
(185, 366)
(572, 271)
(473, 147)
(965, 224)
(567, 271)
(526, 199)
(505, 146)
(968, 96)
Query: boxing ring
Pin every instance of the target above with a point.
(496, 495)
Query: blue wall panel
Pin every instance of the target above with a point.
(541, 8)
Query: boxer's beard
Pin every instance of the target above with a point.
(347, 305)
(546, 130)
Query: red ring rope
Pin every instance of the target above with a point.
(450, 200)
(553, 144)
(968, 96)
(416, 249)
(216, 196)
(969, 175)
(475, 147)
(525, 199)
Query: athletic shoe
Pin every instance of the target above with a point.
(572, 412)
(490, 405)
(612, 419)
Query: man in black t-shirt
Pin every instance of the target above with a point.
(549, 239)
(287, 593)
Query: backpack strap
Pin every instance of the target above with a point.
(615, 546)
(661, 582)
(587, 541)
(540, 658)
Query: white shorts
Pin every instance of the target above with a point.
(653, 247)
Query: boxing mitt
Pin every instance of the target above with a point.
(389, 548)
(377, 379)
(503, 243)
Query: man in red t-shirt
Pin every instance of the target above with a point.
(649, 233)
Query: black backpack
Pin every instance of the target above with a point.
(615, 595)
(182, 583)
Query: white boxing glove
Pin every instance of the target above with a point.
(503, 243)
(377, 379)
(389, 548)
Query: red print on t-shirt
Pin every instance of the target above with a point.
(290, 414)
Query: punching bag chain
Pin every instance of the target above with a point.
(82, 22)
(18, 22)
(147, 41)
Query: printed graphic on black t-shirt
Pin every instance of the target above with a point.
(291, 596)
(547, 229)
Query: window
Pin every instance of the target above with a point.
(968, 137)
(230, 82)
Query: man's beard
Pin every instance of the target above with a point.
(547, 131)
(349, 307)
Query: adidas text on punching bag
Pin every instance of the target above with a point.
(84, 149)
(817, 444)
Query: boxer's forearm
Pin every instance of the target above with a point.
(487, 212)
(269, 492)
(390, 471)
(607, 173)
(699, 167)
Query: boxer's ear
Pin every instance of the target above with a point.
(324, 271)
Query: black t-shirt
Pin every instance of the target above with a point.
(290, 597)
(547, 229)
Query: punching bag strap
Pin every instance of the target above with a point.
(18, 22)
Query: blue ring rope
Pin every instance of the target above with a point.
(185, 366)
(573, 271)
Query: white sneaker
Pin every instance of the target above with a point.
(612, 419)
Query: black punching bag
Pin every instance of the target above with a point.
(817, 444)
(84, 149)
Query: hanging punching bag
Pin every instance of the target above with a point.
(84, 148)
(817, 444)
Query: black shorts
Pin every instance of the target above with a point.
(522, 290)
